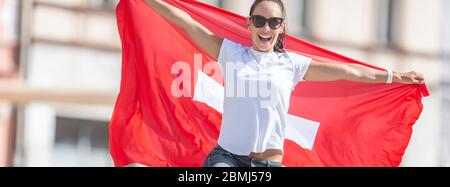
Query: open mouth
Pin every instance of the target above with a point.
(265, 38)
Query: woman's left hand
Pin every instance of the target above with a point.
(409, 78)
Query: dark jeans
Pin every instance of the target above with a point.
(219, 157)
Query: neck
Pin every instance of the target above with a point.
(270, 51)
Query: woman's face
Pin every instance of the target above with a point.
(265, 38)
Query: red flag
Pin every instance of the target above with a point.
(337, 123)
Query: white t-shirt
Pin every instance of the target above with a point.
(258, 87)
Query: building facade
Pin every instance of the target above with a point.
(9, 34)
(66, 55)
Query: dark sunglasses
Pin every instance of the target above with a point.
(260, 21)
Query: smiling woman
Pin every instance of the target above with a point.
(253, 127)
(268, 25)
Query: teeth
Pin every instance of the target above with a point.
(265, 37)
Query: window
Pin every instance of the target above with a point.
(387, 22)
(109, 4)
(446, 34)
(306, 10)
(216, 3)
(81, 142)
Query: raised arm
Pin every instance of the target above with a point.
(204, 38)
(318, 71)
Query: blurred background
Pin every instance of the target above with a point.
(60, 66)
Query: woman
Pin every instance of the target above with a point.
(252, 131)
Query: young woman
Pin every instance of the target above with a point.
(252, 131)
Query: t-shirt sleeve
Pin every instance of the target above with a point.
(228, 50)
(301, 65)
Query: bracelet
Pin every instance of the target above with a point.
(390, 77)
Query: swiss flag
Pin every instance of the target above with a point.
(330, 123)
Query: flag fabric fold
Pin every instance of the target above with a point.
(336, 123)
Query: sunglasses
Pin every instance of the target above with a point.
(260, 21)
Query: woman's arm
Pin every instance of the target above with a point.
(318, 71)
(204, 38)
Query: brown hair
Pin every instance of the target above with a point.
(279, 47)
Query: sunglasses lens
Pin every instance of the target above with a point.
(258, 21)
(275, 23)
